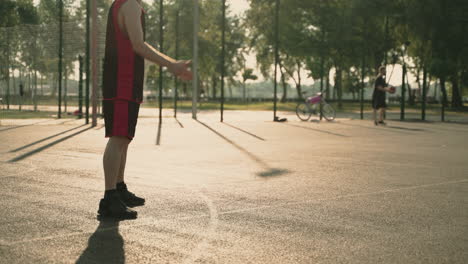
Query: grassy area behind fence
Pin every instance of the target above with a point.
(186, 105)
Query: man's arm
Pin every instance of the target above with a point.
(381, 87)
(131, 12)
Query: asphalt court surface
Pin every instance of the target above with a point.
(248, 190)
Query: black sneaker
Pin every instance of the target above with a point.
(376, 123)
(129, 198)
(113, 207)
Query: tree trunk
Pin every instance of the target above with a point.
(35, 90)
(299, 85)
(65, 94)
(339, 87)
(444, 91)
(54, 85)
(285, 87)
(184, 89)
(456, 95)
(283, 83)
(464, 76)
(350, 88)
(14, 86)
(243, 91)
(418, 81)
(8, 89)
(215, 83)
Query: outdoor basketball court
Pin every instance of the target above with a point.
(248, 190)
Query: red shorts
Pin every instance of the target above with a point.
(120, 117)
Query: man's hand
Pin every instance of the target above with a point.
(181, 69)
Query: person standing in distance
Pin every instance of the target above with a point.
(125, 53)
(379, 103)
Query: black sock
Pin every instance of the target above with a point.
(121, 186)
(109, 193)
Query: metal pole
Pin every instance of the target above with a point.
(161, 48)
(386, 41)
(322, 70)
(424, 95)
(275, 98)
(35, 91)
(80, 88)
(60, 55)
(88, 57)
(94, 58)
(196, 22)
(176, 83)
(403, 89)
(362, 85)
(8, 71)
(223, 53)
(443, 95)
(8, 88)
(65, 91)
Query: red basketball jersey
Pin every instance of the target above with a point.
(123, 69)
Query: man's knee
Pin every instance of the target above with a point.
(118, 141)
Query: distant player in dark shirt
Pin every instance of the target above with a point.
(379, 96)
(126, 51)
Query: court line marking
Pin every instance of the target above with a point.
(207, 235)
(152, 220)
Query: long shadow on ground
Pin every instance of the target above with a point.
(318, 130)
(105, 245)
(246, 132)
(268, 171)
(30, 153)
(15, 127)
(44, 139)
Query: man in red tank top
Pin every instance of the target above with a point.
(123, 76)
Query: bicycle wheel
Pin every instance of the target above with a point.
(328, 112)
(302, 111)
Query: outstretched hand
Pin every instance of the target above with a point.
(181, 69)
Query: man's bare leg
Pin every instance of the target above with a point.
(112, 160)
(129, 198)
(375, 116)
(111, 205)
(123, 161)
(381, 116)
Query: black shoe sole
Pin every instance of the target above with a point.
(134, 204)
(100, 217)
(117, 216)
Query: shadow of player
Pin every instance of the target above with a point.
(105, 245)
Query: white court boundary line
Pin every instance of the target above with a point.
(151, 220)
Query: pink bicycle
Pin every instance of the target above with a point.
(313, 105)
